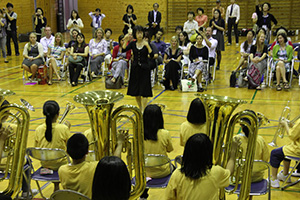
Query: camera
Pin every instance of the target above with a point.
(38, 15)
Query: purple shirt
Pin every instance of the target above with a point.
(161, 46)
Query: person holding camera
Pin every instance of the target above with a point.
(11, 29)
(97, 18)
(40, 22)
(75, 22)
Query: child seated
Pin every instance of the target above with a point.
(79, 175)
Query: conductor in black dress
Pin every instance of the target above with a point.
(154, 19)
(139, 84)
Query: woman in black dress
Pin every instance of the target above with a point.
(140, 81)
(129, 19)
(172, 59)
(218, 26)
(40, 22)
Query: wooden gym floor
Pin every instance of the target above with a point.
(267, 101)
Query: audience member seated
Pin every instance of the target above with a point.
(195, 121)
(178, 29)
(261, 149)
(157, 140)
(52, 135)
(190, 26)
(198, 53)
(111, 180)
(160, 45)
(258, 65)
(47, 40)
(98, 48)
(261, 31)
(172, 59)
(33, 55)
(291, 149)
(278, 31)
(119, 60)
(77, 58)
(55, 56)
(109, 42)
(198, 171)
(185, 45)
(282, 56)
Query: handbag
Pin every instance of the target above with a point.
(254, 77)
(77, 61)
(116, 85)
(188, 86)
(232, 79)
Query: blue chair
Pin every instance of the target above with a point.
(45, 154)
(257, 188)
(68, 195)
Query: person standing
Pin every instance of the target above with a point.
(129, 20)
(40, 22)
(11, 29)
(75, 22)
(190, 26)
(97, 18)
(47, 40)
(154, 19)
(3, 35)
(232, 19)
(219, 7)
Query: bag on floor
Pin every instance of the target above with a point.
(188, 86)
(232, 80)
(116, 85)
(254, 77)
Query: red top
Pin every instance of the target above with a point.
(275, 42)
(115, 53)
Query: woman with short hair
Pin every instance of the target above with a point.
(129, 19)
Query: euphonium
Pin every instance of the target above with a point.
(26, 105)
(16, 152)
(99, 105)
(220, 130)
(285, 115)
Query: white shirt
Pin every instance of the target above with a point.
(235, 12)
(72, 26)
(242, 50)
(189, 26)
(154, 16)
(212, 49)
(97, 47)
(101, 17)
(46, 42)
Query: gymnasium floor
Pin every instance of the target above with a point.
(267, 101)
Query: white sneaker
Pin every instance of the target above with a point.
(275, 183)
(282, 177)
(296, 174)
(237, 44)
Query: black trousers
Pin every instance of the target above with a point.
(12, 35)
(171, 74)
(75, 70)
(152, 31)
(231, 22)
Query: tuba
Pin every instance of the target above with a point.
(99, 105)
(16, 151)
(220, 129)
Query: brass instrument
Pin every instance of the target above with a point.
(285, 115)
(220, 129)
(16, 151)
(69, 108)
(99, 105)
(26, 105)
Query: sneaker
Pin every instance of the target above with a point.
(237, 44)
(282, 177)
(296, 174)
(275, 183)
(228, 44)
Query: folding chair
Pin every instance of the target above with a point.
(45, 154)
(154, 161)
(257, 188)
(68, 195)
(297, 159)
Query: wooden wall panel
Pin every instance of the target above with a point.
(24, 10)
(50, 10)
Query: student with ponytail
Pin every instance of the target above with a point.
(52, 135)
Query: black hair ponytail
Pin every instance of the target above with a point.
(50, 109)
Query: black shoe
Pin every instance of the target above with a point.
(5, 61)
(218, 67)
(200, 89)
(8, 54)
(17, 54)
(172, 88)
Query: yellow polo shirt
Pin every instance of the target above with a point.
(181, 187)
(78, 177)
(293, 149)
(163, 145)
(60, 136)
(188, 129)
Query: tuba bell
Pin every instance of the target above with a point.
(16, 151)
(99, 105)
(220, 129)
